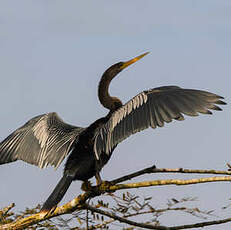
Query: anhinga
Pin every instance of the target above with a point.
(46, 139)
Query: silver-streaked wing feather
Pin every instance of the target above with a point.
(153, 108)
(43, 140)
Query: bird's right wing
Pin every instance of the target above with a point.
(43, 140)
(152, 108)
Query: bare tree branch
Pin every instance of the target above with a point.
(148, 226)
(153, 169)
(137, 214)
(124, 220)
(166, 182)
(76, 203)
(79, 202)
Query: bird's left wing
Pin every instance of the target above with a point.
(43, 140)
(152, 108)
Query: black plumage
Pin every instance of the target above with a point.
(46, 139)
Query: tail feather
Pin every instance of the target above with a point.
(57, 194)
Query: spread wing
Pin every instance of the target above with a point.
(151, 109)
(43, 140)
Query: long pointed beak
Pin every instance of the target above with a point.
(127, 63)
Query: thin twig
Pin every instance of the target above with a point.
(87, 215)
(5, 210)
(132, 175)
(229, 166)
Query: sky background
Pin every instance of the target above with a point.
(53, 53)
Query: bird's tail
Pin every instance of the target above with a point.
(57, 194)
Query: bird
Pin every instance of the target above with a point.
(46, 139)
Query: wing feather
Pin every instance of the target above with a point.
(153, 108)
(43, 140)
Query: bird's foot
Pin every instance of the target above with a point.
(86, 186)
(105, 186)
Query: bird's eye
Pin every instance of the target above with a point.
(120, 64)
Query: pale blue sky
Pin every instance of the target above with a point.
(52, 54)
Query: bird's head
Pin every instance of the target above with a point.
(113, 103)
(118, 67)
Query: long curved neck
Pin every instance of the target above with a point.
(109, 102)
